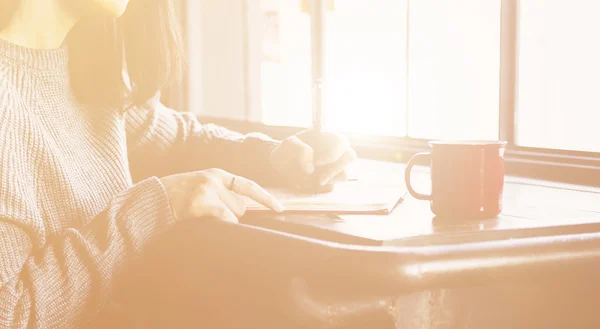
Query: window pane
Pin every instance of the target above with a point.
(454, 59)
(559, 75)
(285, 69)
(366, 67)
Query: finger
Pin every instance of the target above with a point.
(337, 167)
(339, 178)
(246, 187)
(223, 213)
(210, 205)
(233, 201)
(330, 148)
(301, 153)
(311, 189)
(252, 190)
(309, 182)
(221, 181)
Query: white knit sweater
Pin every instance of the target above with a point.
(79, 193)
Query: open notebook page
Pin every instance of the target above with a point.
(346, 198)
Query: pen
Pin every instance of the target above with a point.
(318, 68)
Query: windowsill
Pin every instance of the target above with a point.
(551, 165)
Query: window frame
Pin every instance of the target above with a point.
(545, 163)
(566, 166)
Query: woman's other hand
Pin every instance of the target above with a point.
(294, 159)
(214, 193)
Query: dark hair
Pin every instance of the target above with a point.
(148, 35)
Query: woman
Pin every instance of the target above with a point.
(94, 167)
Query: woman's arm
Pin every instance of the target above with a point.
(65, 283)
(162, 141)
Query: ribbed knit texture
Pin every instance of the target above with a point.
(79, 193)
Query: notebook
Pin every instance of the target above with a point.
(353, 197)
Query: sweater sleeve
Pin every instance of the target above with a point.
(162, 141)
(66, 282)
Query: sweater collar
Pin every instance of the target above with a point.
(43, 59)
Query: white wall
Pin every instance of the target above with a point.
(217, 58)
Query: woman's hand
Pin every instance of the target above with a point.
(294, 159)
(214, 193)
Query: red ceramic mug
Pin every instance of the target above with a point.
(467, 178)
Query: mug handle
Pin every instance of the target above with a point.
(407, 175)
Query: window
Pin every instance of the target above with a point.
(559, 75)
(401, 72)
(366, 67)
(454, 61)
(428, 69)
(285, 64)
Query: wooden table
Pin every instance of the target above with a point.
(531, 208)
